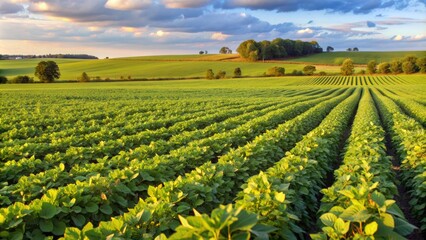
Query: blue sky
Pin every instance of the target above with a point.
(149, 27)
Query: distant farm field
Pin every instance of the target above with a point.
(191, 66)
(138, 68)
(131, 160)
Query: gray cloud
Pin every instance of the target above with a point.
(9, 8)
(355, 6)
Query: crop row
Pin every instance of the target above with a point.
(285, 195)
(29, 187)
(360, 202)
(409, 139)
(356, 80)
(212, 183)
(99, 197)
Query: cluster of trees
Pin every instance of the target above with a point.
(221, 74)
(71, 56)
(203, 52)
(355, 49)
(408, 65)
(225, 50)
(277, 48)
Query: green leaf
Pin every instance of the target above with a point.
(355, 214)
(280, 197)
(72, 233)
(106, 209)
(378, 198)
(341, 226)
(79, 220)
(403, 227)
(46, 226)
(328, 219)
(59, 228)
(388, 220)
(245, 221)
(318, 236)
(347, 193)
(92, 207)
(241, 236)
(48, 211)
(371, 228)
(261, 231)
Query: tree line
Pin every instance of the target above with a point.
(408, 65)
(69, 56)
(276, 49)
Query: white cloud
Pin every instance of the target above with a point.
(305, 31)
(397, 37)
(124, 5)
(219, 36)
(185, 3)
(419, 37)
(159, 33)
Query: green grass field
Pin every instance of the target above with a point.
(189, 66)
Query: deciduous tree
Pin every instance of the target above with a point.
(47, 71)
(347, 67)
(309, 69)
(372, 67)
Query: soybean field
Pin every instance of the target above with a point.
(323, 157)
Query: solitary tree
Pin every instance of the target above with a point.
(349, 49)
(384, 68)
(237, 72)
(347, 67)
(371, 67)
(210, 74)
(201, 52)
(355, 49)
(309, 70)
(84, 77)
(47, 71)
(330, 49)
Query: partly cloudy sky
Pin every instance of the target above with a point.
(149, 27)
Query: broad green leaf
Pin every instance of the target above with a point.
(341, 226)
(79, 220)
(328, 219)
(72, 233)
(280, 197)
(378, 198)
(318, 236)
(46, 225)
(59, 228)
(355, 214)
(371, 228)
(241, 236)
(388, 220)
(48, 210)
(106, 209)
(403, 227)
(245, 221)
(92, 207)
